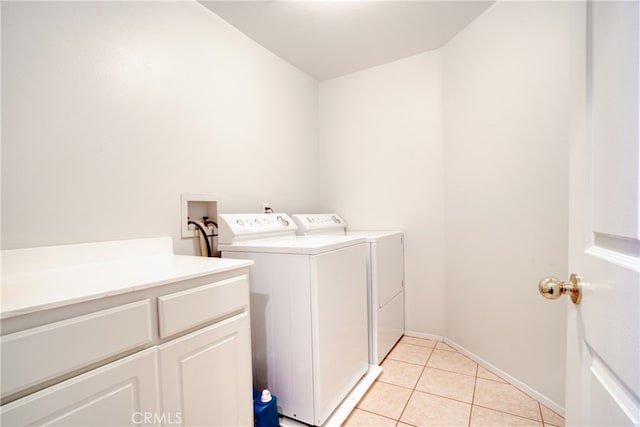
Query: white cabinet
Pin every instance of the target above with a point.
(206, 375)
(176, 352)
(113, 395)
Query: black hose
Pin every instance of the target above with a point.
(214, 233)
(204, 234)
(208, 221)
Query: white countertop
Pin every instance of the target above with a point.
(42, 278)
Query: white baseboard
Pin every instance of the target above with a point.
(423, 335)
(513, 381)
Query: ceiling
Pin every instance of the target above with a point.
(327, 39)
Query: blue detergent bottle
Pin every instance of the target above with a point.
(265, 410)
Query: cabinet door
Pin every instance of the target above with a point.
(206, 375)
(118, 394)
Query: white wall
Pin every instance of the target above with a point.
(381, 166)
(111, 110)
(506, 133)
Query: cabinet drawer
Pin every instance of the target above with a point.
(182, 310)
(36, 355)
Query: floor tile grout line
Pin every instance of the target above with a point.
(541, 415)
(508, 413)
(404, 408)
(397, 385)
(473, 395)
(414, 386)
(443, 397)
(499, 380)
(446, 349)
(495, 381)
(453, 372)
(375, 413)
(413, 345)
(403, 361)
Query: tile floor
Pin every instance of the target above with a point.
(428, 383)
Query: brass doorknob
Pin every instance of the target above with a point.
(552, 288)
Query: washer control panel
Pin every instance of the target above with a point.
(330, 223)
(242, 226)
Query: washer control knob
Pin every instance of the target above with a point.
(282, 221)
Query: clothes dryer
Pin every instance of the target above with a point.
(385, 278)
(308, 311)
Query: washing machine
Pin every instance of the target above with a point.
(308, 311)
(385, 278)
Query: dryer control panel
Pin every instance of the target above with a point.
(329, 223)
(235, 227)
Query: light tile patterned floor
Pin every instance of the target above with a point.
(428, 383)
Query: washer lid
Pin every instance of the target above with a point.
(327, 223)
(309, 245)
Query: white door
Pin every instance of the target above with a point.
(603, 330)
